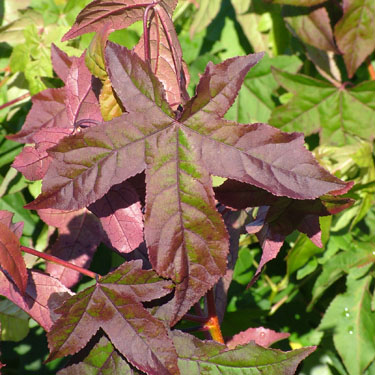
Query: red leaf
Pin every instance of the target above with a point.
(32, 163)
(261, 336)
(119, 15)
(11, 259)
(61, 62)
(47, 111)
(80, 233)
(43, 295)
(120, 213)
(113, 305)
(81, 102)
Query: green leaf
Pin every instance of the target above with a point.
(339, 113)
(355, 33)
(358, 256)
(14, 322)
(304, 3)
(303, 249)
(207, 11)
(196, 357)
(352, 323)
(103, 359)
(255, 99)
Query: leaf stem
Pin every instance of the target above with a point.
(370, 68)
(213, 324)
(63, 263)
(14, 101)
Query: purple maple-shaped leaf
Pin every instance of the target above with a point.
(80, 233)
(43, 294)
(116, 15)
(208, 357)
(185, 235)
(280, 216)
(260, 335)
(114, 304)
(120, 213)
(11, 260)
(102, 359)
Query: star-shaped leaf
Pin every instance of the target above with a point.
(339, 113)
(114, 304)
(185, 235)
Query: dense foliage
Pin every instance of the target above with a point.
(149, 168)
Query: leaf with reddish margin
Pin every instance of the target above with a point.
(196, 357)
(102, 359)
(313, 28)
(43, 295)
(260, 335)
(165, 56)
(47, 111)
(355, 33)
(76, 244)
(81, 102)
(120, 213)
(117, 14)
(11, 259)
(33, 162)
(114, 304)
(186, 236)
(61, 62)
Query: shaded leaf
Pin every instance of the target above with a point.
(118, 15)
(207, 11)
(338, 113)
(355, 33)
(113, 304)
(76, 243)
(43, 295)
(120, 213)
(196, 357)
(313, 28)
(103, 359)
(261, 336)
(11, 259)
(14, 322)
(279, 216)
(350, 319)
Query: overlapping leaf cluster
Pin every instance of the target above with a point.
(127, 159)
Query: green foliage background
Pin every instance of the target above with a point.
(321, 296)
